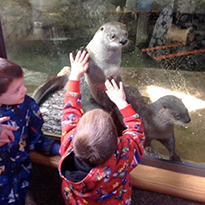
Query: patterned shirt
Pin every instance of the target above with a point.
(15, 165)
(110, 182)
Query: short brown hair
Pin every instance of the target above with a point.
(95, 137)
(8, 72)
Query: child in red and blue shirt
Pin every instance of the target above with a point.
(96, 164)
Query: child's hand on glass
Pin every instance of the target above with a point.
(6, 134)
(116, 94)
(79, 65)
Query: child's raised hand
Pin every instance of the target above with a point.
(79, 65)
(6, 135)
(116, 94)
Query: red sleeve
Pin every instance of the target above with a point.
(72, 112)
(134, 131)
(73, 86)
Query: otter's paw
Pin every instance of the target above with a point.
(175, 157)
(151, 152)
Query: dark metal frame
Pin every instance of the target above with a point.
(179, 167)
(2, 44)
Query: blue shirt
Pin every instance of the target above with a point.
(15, 165)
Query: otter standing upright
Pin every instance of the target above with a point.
(105, 50)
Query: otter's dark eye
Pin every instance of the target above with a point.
(126, 34)
(177, 116)
(101, 28)
(113, 36)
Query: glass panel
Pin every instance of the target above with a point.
(165, 56)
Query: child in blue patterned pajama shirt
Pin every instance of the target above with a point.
(20, 132)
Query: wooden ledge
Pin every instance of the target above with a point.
(178, 184)
(49, 161)
(169, 182)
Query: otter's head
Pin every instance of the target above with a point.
(175, 109)
(114, 34)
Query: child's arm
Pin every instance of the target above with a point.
(72, 109)
(35, 124)
(135, 129)
(38, 142)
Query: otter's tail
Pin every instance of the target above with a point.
(48, 88)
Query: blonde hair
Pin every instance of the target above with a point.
(95, 137)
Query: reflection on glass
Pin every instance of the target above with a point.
(165, 54)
